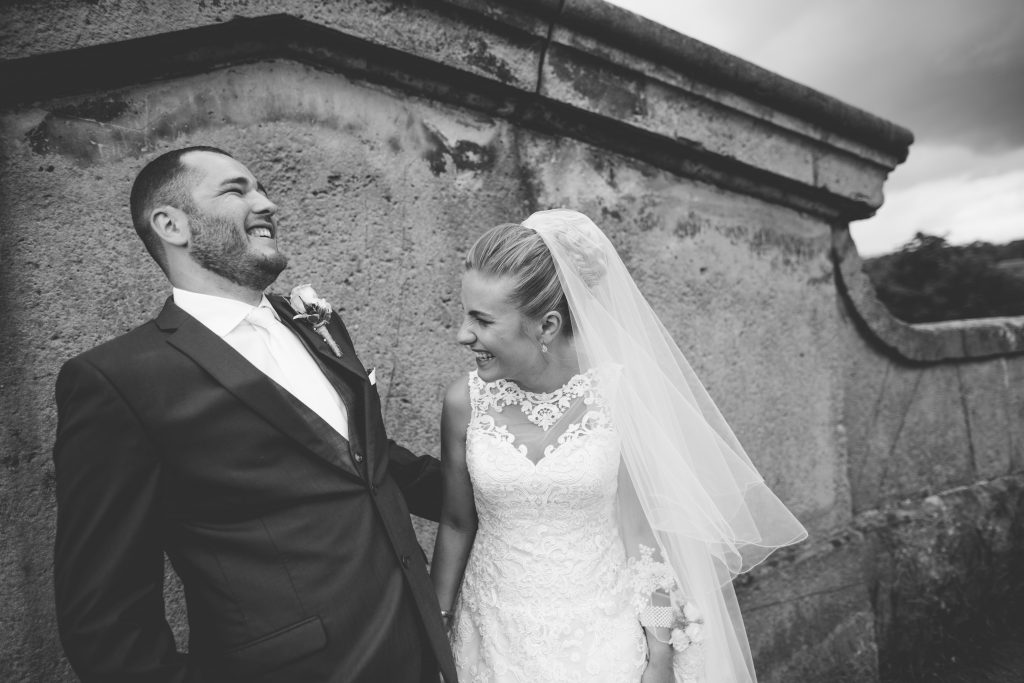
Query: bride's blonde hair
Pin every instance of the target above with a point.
(517, 252)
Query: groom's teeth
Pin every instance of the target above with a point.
(261, 232)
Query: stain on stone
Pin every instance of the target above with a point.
(647, 220)
(435, 149)
(85, 139)
(100, 109)
(763, 241)
(530, 188)
(606, 167)
(798, 248)
(479, 55)
(690, 226)
(466, 155)
(469, 156)
(334, 181)
(608, 93)
(394, 144)
(611, 213)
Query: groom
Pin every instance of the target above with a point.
(240, 443)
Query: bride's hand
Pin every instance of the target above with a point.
(658, 672)
(659, 664)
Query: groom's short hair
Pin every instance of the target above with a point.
(164, 180)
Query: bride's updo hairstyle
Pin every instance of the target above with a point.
(517, 252)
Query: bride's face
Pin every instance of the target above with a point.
(504, 341)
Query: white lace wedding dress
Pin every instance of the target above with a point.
(548, 593)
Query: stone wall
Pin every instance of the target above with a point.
(392, 133)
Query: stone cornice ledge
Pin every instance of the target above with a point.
(582, 68)
(922, 343)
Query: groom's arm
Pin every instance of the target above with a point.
(419, 478)
(108, 560)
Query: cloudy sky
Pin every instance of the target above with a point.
(952, 71)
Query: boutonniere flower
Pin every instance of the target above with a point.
(314, 310)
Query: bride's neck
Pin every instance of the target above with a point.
(559, 365)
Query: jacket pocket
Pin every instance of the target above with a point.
(276, 649)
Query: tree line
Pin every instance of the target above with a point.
(929, 280)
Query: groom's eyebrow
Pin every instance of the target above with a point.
(244, 182)
(239, 180)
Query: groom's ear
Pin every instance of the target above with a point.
(170, 224)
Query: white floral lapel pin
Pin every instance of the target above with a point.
(314, 310)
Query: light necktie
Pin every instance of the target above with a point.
(283, 358)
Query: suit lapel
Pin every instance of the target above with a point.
(245, 382)
(361, 415)
(315, 342)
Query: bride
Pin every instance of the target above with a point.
(596, 504)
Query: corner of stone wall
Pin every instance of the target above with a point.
(936, 449)
(918, 343)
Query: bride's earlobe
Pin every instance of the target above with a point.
(550, 326)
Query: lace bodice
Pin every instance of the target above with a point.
(543, 463)
(545, 595)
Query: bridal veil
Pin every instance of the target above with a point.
(689, 479)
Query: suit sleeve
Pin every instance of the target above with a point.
(419, 478)
(108, 559)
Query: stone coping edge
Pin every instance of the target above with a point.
(647, 38)
(633, 34)
(930, 343)
(98, 68)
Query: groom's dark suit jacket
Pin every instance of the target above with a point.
(295, 547)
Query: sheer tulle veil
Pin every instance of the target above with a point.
(708, 507)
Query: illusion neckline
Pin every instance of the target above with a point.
(543, 409)
(509, 389)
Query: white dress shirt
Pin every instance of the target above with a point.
(270, 346)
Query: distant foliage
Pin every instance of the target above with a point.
(929, 280)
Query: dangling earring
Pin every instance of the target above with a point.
(543, 347)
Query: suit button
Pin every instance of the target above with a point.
(358, 456)
(373, 489)
(405, 561)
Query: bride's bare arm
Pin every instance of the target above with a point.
(457, 527)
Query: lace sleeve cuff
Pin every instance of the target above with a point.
(651, 578)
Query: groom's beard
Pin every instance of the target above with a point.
(218, 246)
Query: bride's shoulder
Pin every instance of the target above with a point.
(456, 396)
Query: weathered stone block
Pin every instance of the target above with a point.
(990, 419)
(931, 451)
(1014, 378)
(607, 89)
(880, 396)
(942, 566)
(809, 615)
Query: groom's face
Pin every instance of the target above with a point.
(232, 222)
